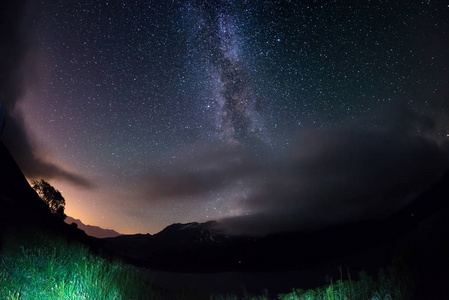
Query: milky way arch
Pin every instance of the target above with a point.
(219, 40)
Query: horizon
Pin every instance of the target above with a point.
(266, 117)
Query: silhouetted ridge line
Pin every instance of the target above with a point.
(18, 201)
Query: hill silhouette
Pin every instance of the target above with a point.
(19, 203)
(204, 247)
(94, 231)
(21, 208)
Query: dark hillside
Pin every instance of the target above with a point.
(21, 209)
(18, 201)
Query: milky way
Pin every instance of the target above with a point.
(233, 100)
(266, 115)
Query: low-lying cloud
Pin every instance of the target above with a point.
(326, 176)
(333, 176)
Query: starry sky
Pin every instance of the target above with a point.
(264, 115)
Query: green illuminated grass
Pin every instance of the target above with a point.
(394, 284)
(397, 283)
(43, 266)
(48, 267)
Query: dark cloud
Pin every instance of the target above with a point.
(22, 148)
(13, 47)
(15, 21)
(445, 147)
(196, 170)
(333, 176)
(399, 119)
(325, 177)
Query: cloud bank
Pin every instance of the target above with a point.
(334, 176)
(327, 176)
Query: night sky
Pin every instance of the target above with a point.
(264, 115)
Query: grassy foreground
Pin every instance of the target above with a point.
(395, 283)
(49, 267)
(43, 266)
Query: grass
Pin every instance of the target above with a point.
(396, 283)
(49, 267)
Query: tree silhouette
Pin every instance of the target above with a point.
(51, 196)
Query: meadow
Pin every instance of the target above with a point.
(45, 266)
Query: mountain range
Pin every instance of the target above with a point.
(93, 231)
(202, 247)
